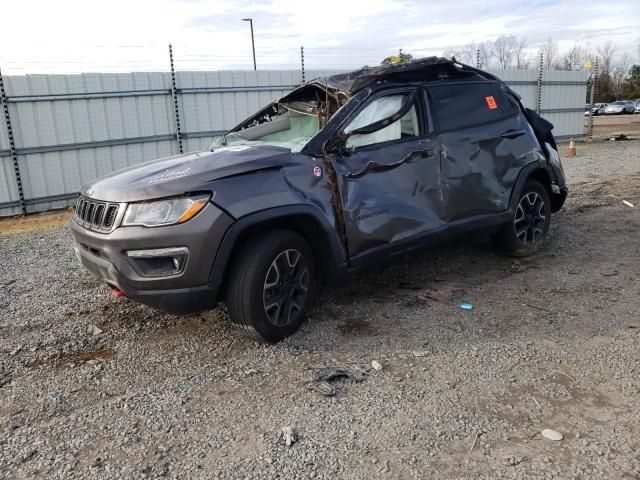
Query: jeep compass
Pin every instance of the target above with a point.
(342, 172)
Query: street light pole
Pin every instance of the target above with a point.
(253, 45)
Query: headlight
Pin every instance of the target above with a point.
(164, 212)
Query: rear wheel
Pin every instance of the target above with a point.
(271, 286)
(525, 233)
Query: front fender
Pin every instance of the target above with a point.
(336, 255)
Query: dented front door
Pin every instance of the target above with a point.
(390, 190)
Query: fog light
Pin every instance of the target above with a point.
(159, 262)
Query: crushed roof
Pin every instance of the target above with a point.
(423, 69)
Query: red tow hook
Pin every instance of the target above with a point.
(116, 292)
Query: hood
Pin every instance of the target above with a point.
(184, 173)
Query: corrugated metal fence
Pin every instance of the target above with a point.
(70, 129)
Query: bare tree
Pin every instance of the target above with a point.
(522, 57)
(624, 63)
(550, 52)
(468, 53)
(618, 74)
(504, 50)
(574, 58)
(607, 54)
(462, 54)
(485, 53)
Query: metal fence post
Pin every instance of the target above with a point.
(174, 95)
(478, 58)
(12, 146)
(302, 63)
(592, 96)
(539, 90)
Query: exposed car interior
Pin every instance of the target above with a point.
(290, 123)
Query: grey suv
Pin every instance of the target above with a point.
(342, 172)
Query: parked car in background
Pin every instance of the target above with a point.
(637, 109)
(342, 172)
(598, 109)
(620, 107)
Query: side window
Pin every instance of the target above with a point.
(379, 109)
(462, 105)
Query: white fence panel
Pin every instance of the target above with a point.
(71, 129)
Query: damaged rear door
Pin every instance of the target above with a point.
(388, 171)
(485, 143)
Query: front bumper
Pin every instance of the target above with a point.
(188, 291)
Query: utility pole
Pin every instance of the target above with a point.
(253, 45)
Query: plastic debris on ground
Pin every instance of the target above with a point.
(551, 434)
(466, 306)
(289, 435)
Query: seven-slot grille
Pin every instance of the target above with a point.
(95, 215)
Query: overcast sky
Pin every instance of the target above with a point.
(57, 36)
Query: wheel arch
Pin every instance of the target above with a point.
(534, 171)
(304, 220)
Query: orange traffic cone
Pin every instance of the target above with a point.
(571, 152)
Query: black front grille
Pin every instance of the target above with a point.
(110, 216)
(96, 215)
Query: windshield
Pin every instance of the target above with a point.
(290, 123)
(617, 103)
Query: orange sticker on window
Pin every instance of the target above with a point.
(491, 102)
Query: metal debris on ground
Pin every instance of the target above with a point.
(289, 435)
(326, 374)
(15, 351)
(610, 273)
(619, 138)
(551, 434)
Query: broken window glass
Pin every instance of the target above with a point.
(377, 110)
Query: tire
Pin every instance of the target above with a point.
(526, 232)
(266, 297)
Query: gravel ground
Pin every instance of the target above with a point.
(94, 387)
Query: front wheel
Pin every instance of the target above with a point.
(525, 233)
(271, 285)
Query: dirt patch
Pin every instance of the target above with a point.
(606, 126)
(39, 221)
(357, 326)
(74, 357)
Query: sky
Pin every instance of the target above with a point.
(64, 36)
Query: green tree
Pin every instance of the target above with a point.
(631, 84)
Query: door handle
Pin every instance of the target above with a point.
(512, 133)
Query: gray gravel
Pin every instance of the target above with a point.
(552, 342)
